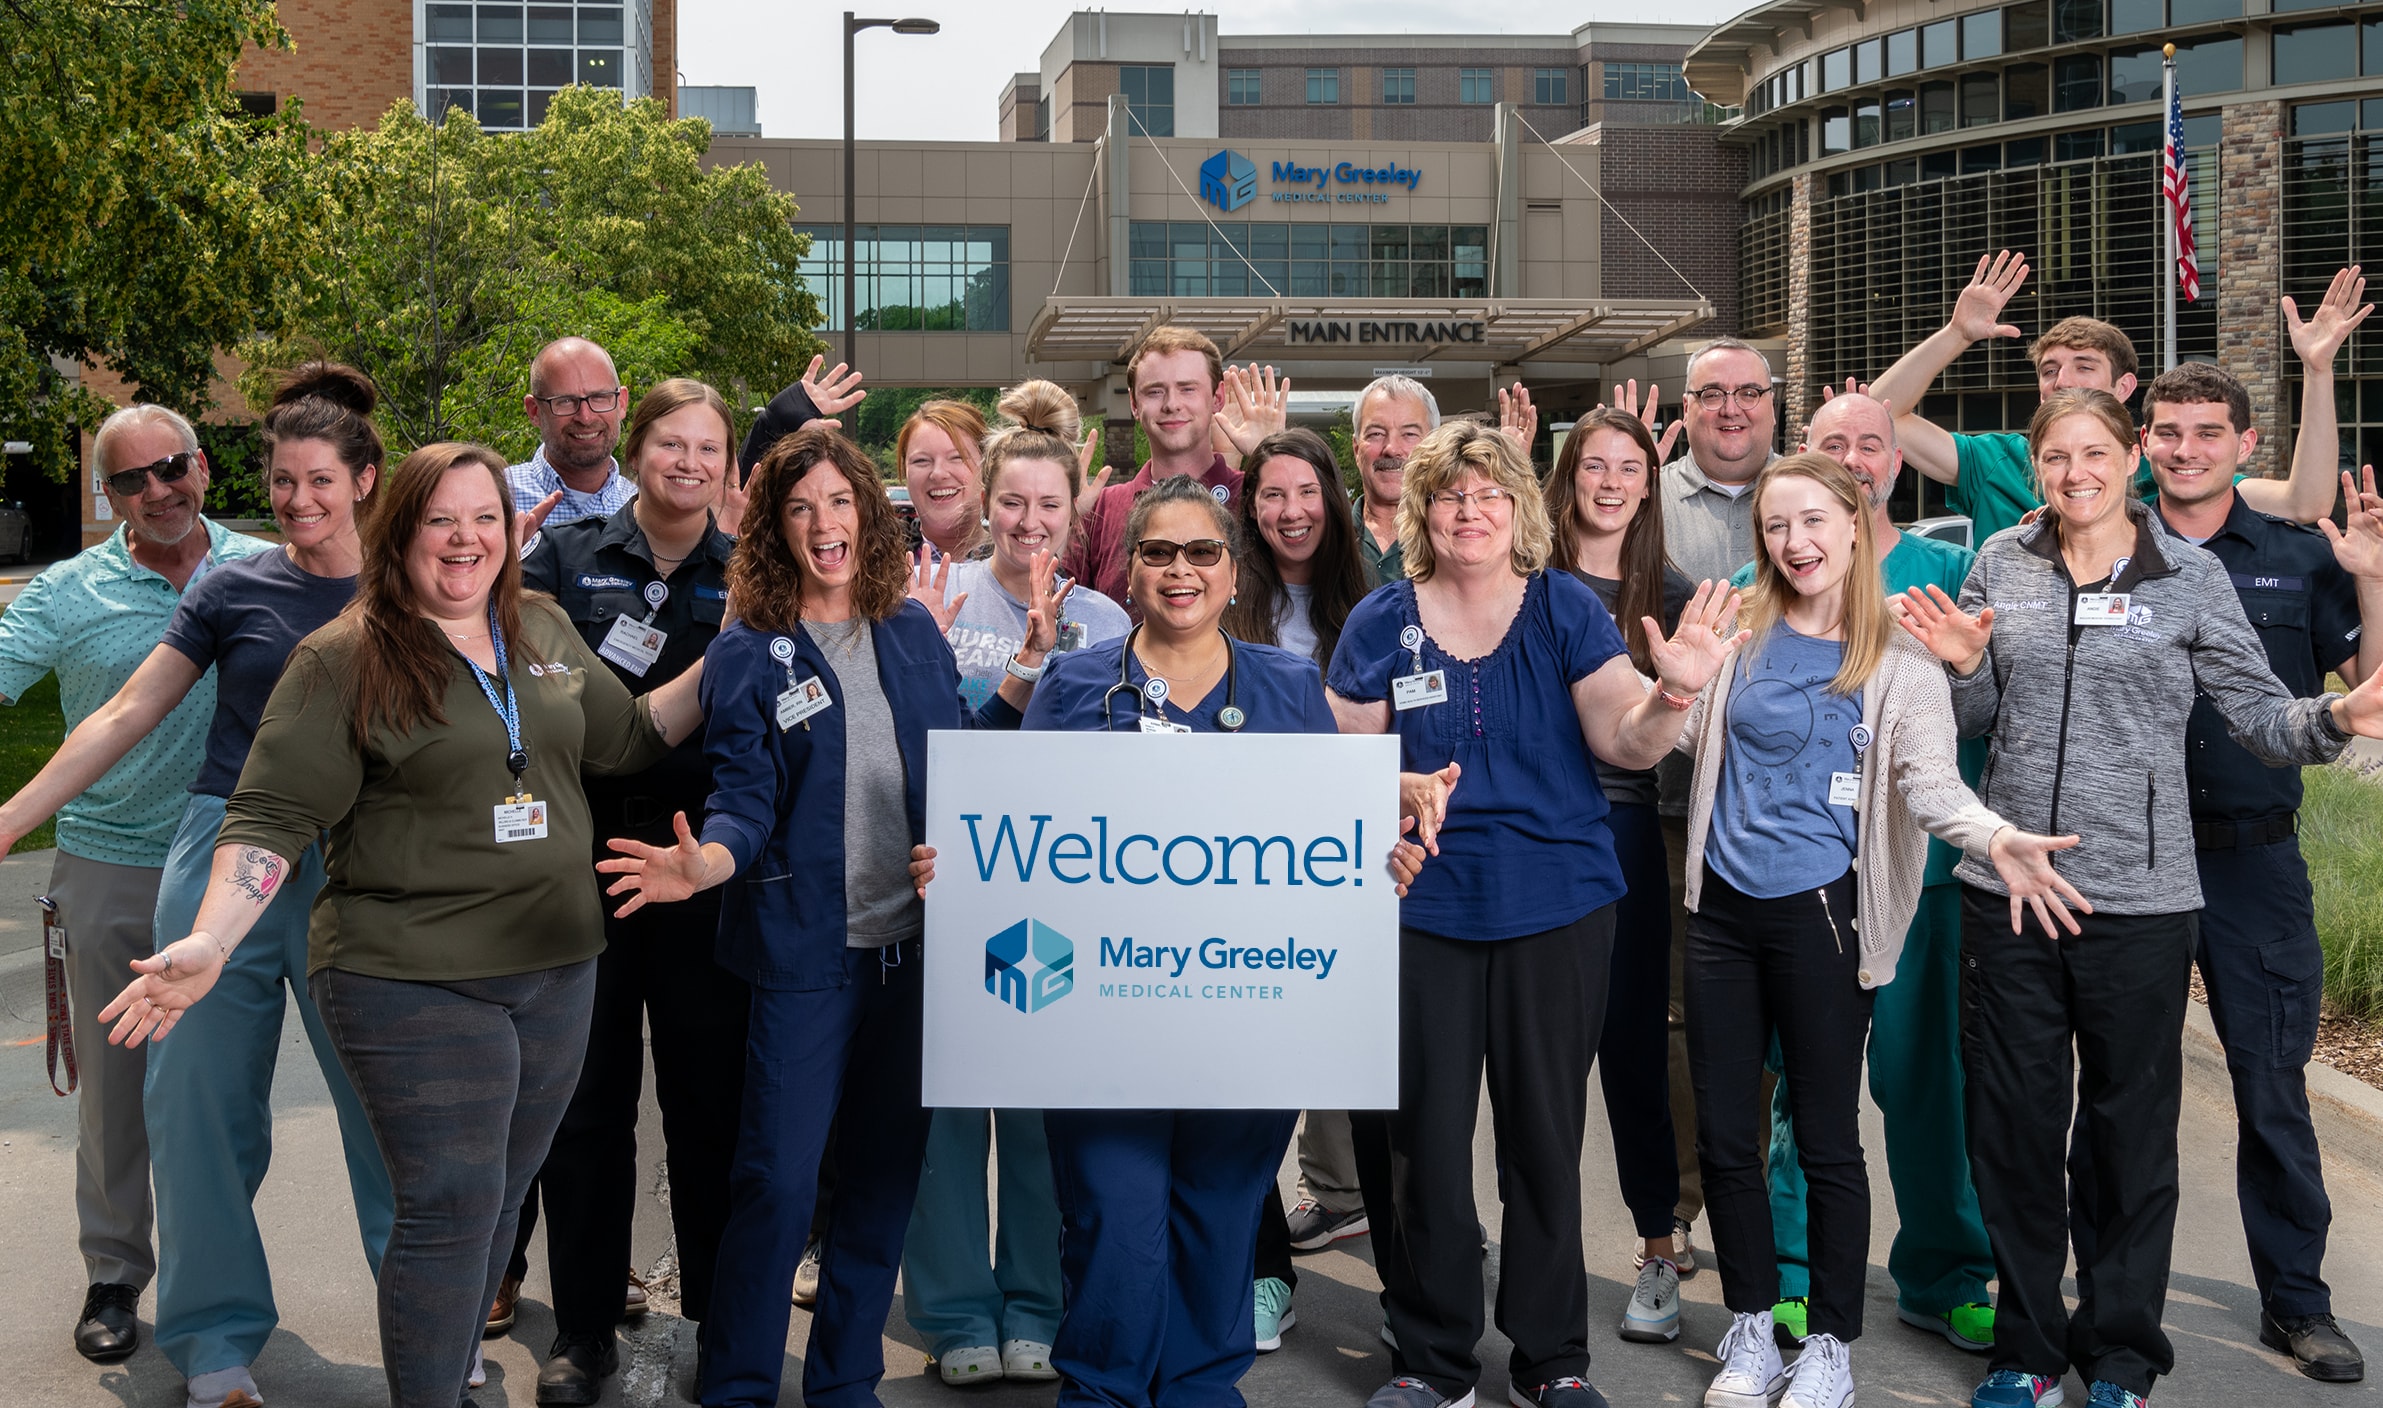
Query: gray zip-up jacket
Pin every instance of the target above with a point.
(2089, 721)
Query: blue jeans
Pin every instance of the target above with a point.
(952, 1296)
(209, 1103)
(464, 1083)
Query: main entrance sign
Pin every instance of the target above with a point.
(1408, 331)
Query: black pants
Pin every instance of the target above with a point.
(1274, 1241)
(1634, 1053)
(1530, 1009)
(1791, 965)
(2116, 993)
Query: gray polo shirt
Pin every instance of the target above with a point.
(1708, 532)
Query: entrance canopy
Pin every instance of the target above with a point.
(1499, 330)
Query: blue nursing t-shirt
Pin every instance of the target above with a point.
(1773, 830)
(1524, 848)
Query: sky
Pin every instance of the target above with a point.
(947, 87)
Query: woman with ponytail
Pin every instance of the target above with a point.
(209, 1102)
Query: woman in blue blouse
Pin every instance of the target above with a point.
(818, 702)
(1506, 684)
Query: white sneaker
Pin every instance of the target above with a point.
(224, 1388)
(1822, 1376)
(1751, 1375)
(478, 1378)
(1027, 1361)
(1653, 1315)
(973, 1364)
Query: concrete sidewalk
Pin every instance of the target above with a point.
(326, 1354)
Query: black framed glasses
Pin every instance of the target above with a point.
(1711, 397)
(601, 402)
(173, 469)
(1199, 552)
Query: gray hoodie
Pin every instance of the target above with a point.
(2089, 721)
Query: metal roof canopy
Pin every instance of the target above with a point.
(1514, 329)
(1716, 64)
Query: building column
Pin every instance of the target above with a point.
(1799, 372)
(1117, 427)
(2249, 233)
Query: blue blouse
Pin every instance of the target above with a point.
(1277, 691)
(1524, 848)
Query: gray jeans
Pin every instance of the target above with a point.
(108, 914)
(464, 1084)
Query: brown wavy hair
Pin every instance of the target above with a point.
(404, 664)
(767, 577)
(1339, 577)
(1643, 559)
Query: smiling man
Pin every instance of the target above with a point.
(577, 401)
(1392, 415)
(1177, 378)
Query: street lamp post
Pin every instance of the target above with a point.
(852, 27)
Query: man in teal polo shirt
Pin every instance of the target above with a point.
(1990, 476)
(93, 619)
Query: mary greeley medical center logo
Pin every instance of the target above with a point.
(1030, 965)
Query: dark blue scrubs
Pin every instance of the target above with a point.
(1158, 1208)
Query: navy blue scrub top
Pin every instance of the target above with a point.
(1279, 691)
(1524, 848)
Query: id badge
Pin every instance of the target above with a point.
(2102, 609)
(520, 818)
(1415, 691)
(1151, 725)
(800, 702)
(633, 645)
(1845, 789)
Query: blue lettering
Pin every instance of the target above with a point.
(1346, 171)
(1166, 860)
(1129, 877)
(1073, 846)
(1258, 850)
(1339, 855)
(1003, 833)
(1117, 955)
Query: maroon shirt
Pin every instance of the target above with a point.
(1097, 556)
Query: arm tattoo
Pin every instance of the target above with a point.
(256, 873)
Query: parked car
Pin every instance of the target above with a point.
(16, 533)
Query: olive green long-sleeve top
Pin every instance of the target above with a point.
(418, 887)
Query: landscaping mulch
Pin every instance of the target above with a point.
(2351, 1045)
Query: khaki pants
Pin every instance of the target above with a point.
(109, 915)
(1328, 1161)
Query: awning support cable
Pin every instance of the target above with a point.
(1609, 205)
(1090, 178)
(1187, 195)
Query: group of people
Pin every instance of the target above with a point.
(1712, 778)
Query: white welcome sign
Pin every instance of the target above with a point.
(1161, 921)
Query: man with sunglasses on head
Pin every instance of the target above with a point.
(93, 619)
(578, 402)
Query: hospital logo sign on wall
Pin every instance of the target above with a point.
(1030, 965)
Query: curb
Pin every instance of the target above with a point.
(2336, 1092)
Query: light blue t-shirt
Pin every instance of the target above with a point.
(992, 625)
(1773, 831)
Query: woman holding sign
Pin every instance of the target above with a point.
(437, 730)
(819, 700)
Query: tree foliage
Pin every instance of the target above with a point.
(452, 255)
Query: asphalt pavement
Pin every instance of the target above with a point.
(326, 1353)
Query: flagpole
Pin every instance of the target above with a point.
(2167, 217)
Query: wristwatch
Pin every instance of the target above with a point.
(1028, 673)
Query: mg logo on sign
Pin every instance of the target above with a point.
(1228, 180)
(1030, 965)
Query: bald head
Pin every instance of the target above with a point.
(1858, 432)
(578, 402)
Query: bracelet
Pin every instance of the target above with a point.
(1674, 701)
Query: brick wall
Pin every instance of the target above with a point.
(1080, 102)
(1678, 185)
(1436, 115)
(2250, 251)
(350, 59)
(665, 78)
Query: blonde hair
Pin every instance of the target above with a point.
(1866, 622)
(1042, 424)
(1448, 454)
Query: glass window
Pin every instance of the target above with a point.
(2135, 16)
(2370, 114)
(550, 67)
(500, 108)
(1981, 99)
(1936, 166)
(1241, 87)
(949, 278)
(1936, 107)
(446, 100)
(2023, 151)
(1981, 34)
(2281, 5)
(1836, 131)
(2212, 65)
(2027, 26)
(2201, 131)
(2076, 146)
(448, 24)
(2076, 19)
(1149, 92)
(2077, 84)
(2184, 12)
(2370, 43)
(1645, 83)
(550, 24)
(600, 24)
(450, 67)
(2026, 91)
(1903, 52)
(1940, 44)
(1867, 57)
(600, 67)
(1323, 86)
(1398, 86)
(1977, 159)
(1476, 85)
(2313, 53)
(2134, 137)
(2135, 75)
(1836, 70)
(1551, 87)
(500, 24)
(1865, 123)
(500, 66)
(1904, 172)
(1902, 114)
(535, 114)
(2317, 119)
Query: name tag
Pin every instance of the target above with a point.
(1151, 725)
(1845, 789)
(801, 701)
(633, 645)
(1415, 691)
(2101, 609)
(520, 819)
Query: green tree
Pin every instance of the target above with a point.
(454, 254)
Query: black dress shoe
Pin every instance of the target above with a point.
(2317, 1344)
(107, 1330)
(576, 1372)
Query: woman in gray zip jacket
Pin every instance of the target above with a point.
(2079, 643)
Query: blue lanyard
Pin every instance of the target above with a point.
(518, 759)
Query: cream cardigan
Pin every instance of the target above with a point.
(1908, 707)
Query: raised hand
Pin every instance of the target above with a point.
(1406, 858)
(733, 484)
(930, 582)
(528, 522)
(2361, 710)
(2024, 861)
(655, 874)
(2330, 326)
(834, 393)
(1093, 483)
(922, 869)
(1625, 400)
(1518, 417)
(1977, 313)
(2358, 545)
(1423, 799)
(1687, 661)
(1256, 406)
(1951, 634)
(1046, 594)
(170, 980)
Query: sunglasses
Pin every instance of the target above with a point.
(1199, 552)
(170, 470)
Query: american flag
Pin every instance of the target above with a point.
(2176, 183)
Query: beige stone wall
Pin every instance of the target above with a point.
(1798, 371)
(2249, 240)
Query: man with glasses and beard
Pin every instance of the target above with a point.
(93, 619)
(578, 403)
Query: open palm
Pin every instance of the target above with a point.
(1686, 661)
(1951, 634)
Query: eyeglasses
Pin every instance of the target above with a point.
(597, 401)
(1199, 552)
(125, 483)
(1483, 499)
(1711, 397)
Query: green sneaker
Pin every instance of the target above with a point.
(1969, 1327)
(1789, 1319)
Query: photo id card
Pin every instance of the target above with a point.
(520, 818)
(633, 645)
(2101, 608)
(1415, 691)
(1845, 789)
(800, 701)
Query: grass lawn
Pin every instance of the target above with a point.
(29, 733)
(2341, 834)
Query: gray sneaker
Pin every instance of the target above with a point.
(1653, 1315)
(1403, 1392)
(806, 1277)
(1314, 1226)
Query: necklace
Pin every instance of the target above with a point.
(458, 635)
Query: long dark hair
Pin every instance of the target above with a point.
(1644, 562)
(1339, 576)
(767, 577)
(331, 402)
(403, 666)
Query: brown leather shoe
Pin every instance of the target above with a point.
(633, 1305)
(500, 1315)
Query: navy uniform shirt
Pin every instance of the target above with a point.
(1278, 691)
(2305, 609)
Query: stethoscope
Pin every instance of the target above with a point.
(1153, 691)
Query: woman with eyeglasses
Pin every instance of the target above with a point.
(1159, 1208)
(1506, 683)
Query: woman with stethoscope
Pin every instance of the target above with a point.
(1159, 1208)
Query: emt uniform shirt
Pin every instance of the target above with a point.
(1524, 848)
(2305, 609)
(1277, 690)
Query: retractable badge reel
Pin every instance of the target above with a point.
(1845, 788)
(1413, 691)
(1154, 689)
(801, 698)
(635, 645)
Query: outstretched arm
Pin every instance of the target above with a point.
(2316, 451)
(243, 882)
(101, 741)
(1977, 316)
